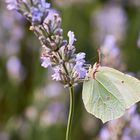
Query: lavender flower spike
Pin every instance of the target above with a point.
(57, 53)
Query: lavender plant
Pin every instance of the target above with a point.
(57, 53)
(102, 89)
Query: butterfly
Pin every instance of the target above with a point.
(108, 92)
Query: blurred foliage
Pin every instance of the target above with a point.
(16, 97)
(129, 47)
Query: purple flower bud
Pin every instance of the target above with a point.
(36, 15)
(71, 38)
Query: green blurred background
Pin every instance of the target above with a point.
(30, 106)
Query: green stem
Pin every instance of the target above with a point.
(71, 113)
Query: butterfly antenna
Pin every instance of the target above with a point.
(99, 56)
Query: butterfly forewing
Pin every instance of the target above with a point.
(128, 86)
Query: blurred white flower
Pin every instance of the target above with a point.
(4, 136)
(54, 113)
(31, 113)
(132, 110)
(134, 124)
(50, 89)
(138, 42)
(111, 19)
(135, 3)
(111, 53)
(125, 137)
(104, 134)
(109, 46)
(14, 68)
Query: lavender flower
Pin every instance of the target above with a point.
(14, 68)
(11, 4)
(52, 22)
(138, 41)
(125, 128)
(36, 15)
(46, 62)
(132, 110)
(35, 10)
(80, 58)
(111, 53)
(71, 38)
(104, 134)
(43, 4)
(134, 124)
(80, 71)
(110, 45)
(56, 76)
(111, 19)
(38, 11)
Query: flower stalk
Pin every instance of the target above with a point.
(71, 114)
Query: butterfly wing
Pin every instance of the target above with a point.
(110, 93)
(102, 100)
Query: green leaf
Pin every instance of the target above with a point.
(110, 93)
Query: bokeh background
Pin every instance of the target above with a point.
(32, 106)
